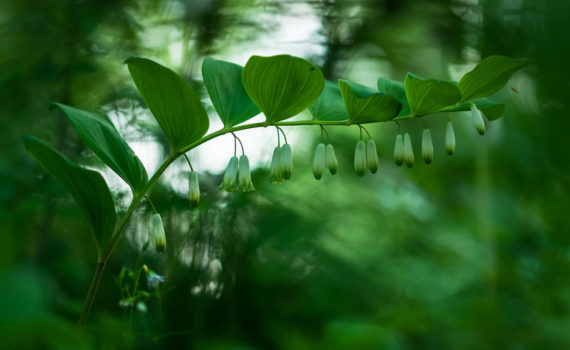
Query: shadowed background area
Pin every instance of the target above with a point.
(470, 252)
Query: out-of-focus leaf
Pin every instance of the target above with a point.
(231, 101)
(330, 104)
(282, 86)
(87, 187)
(427, 96)
(171, 100)
(396, 89)
(492, 110)
(100, 135)
(364, 104)
(490, 75)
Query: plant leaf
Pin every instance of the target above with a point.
(100, 135)
(171, 100)
(490, 75)
(428, 96)
(363, 104)
(396, 89)
(231, 101)
(87, 187)
(282, 86)
(492, 110)
(330, 104)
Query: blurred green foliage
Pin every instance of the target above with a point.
(469, 252)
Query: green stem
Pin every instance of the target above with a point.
(140, 195)
(91, 293)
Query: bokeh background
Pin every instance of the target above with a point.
(470, 252)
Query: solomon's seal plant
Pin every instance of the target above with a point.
(280, 87)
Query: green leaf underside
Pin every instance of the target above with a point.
(100, 135)
(396, 89)
(282, 86)
(363, 104)
(171, 100)
(231, 101)
(330, 104)
(492, 110)
(427, 96)
(87, 187)
(489, 76)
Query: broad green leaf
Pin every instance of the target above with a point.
(282, 86)
(330, 104)
(364, 104)
(100, 135)
(427, 96)
(87, 187)
(492, 110)
(396, 89)
(171, 100)
(231, 101)
(490, 75)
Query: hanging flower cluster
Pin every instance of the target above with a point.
(324, 158)
(281, 164)
(237, 177)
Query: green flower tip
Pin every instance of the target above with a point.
(360, 158)
(244, 175)
(408, 151)
(193, 189)
(399, 150)
(286, 161)
(372, 156)
(230, 176)
(275, 170)
(319, 161)
(478, 121)
(158, 232)
(427, 146)
(449, 139)
(331, 161)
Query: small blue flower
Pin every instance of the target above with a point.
(154, 280)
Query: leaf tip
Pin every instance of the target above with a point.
(54, 105)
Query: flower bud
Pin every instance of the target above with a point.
(372, 156)
(360, 158)
(319, 161)
(141, 307)
(193, 189)
(275, 170)
(477, 119)
(399, 150)
(408, 151)
(449, 138)
(158, 232)
(286, 161)
(427, 146)
(331, 162)
(244, 177)
(230, 176)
